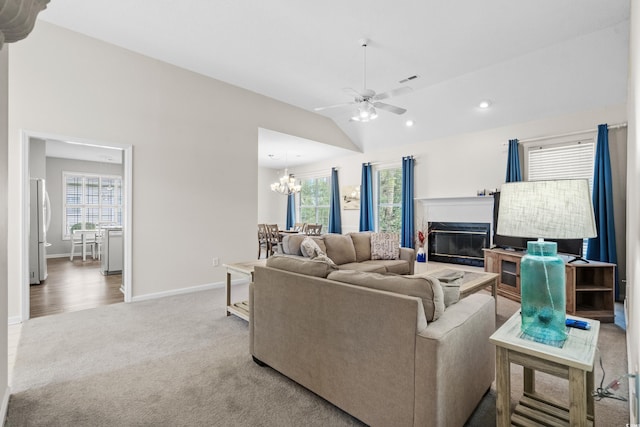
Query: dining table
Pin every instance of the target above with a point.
(84, 233)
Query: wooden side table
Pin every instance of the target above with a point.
(240, 309)
(574, 361)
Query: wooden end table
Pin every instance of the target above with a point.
(240, 309)
(574, 361)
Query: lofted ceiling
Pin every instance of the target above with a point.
(531, 58)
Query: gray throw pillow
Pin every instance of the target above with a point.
(451, 293)
(310, 248)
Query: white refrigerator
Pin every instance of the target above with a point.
(39, 219)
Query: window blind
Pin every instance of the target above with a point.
(573, 161)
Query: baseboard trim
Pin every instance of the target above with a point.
(14, 320)
(61, 255)
(205, 287)
(5, 404)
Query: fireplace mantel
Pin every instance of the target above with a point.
(461, 211)
(458, 209)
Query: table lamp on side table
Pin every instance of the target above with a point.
(545, 209)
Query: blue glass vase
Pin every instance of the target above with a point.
(543, 295)
(420, 255)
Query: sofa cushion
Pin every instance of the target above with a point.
(339, 248)
(291, 244)
(397, 266)
(385, 246)
(363, 266)
(317, 267)
(362, 245)
(425, 288)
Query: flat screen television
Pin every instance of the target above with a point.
(571, 247)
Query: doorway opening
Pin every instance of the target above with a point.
(77, 243)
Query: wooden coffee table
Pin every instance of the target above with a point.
(240, 309)
(470, 282)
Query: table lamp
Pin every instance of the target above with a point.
(545, 209)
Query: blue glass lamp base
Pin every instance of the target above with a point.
(543, 295)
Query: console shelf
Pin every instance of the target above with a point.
(590, 286)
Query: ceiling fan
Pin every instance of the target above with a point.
(368, 100)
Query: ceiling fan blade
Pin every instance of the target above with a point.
(389, 108)
(344, 104)
(395, 92)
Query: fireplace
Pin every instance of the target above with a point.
(458, 242)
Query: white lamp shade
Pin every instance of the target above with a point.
(559, 209)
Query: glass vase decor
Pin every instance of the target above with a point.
(420, 255)
(543, 294)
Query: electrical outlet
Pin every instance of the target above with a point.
(216, 261)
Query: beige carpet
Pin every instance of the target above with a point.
(179, 361)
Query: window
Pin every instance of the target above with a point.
(573, 161)
(90, 200)
(568, 160)
(389, 200)
(314, 201)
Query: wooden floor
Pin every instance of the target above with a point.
(72, 286)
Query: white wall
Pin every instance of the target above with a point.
(194, 150)
(633, 210)
(4, 113)
(55, 167)
(459, 165)
(272, 207)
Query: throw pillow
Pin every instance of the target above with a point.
(385, 246)
(451, 293)
(450, 281)
(310, 248)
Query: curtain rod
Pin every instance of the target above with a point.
(541, 138)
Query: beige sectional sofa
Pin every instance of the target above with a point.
(353, 252)
(381, 347)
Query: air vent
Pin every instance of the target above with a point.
(408, 79)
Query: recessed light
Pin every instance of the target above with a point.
(485, 104)
(409, 123)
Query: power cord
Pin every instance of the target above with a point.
(601, 393)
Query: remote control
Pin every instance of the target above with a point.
(580, 324)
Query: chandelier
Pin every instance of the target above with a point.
(286, 185)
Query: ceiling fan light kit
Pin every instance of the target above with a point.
(367, 100)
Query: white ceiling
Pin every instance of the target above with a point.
(532, 59)
(77, 151)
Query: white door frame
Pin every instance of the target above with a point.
(126, 214)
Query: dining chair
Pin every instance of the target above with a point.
(263, 240)
(98, 239)
(299, 227)
(76, 241)
(313, 229)
(275, 240)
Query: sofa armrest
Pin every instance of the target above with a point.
(408, 254)
(455, 362)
